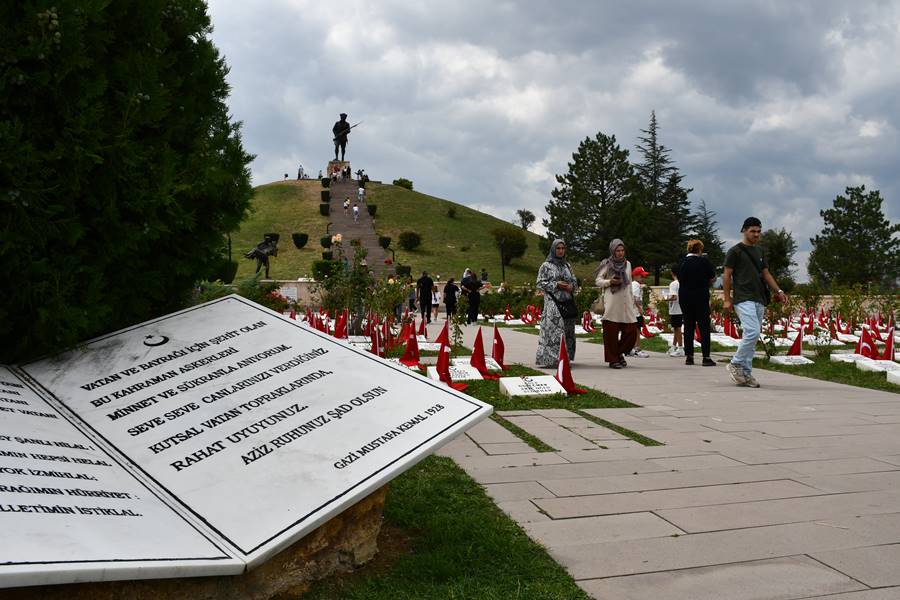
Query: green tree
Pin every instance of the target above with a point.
(858, 244)
(587, 198)
(120, 170)
(512, 241)
(526, 218)
(662, 237)
(779, 248)
(706, 229)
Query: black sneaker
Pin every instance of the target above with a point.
(708, 362)
(615, 365)
(688, 360)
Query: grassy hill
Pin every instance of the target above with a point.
(449, 245)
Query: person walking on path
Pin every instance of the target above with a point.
(746, 282)
(613, 277)
(556, 279)
(451, 291)
(435, 301)
(347, 206)
(423, 293)
(361, 194)
(470, 285)
(638, 274)
(695, 274)
(676, 318)
(356, 213)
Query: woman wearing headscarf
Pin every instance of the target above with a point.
(556, 279)
(613, 277)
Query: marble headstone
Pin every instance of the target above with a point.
(541, 385)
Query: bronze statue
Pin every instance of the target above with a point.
(266, 248)
(341, 130)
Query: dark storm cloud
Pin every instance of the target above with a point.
(770, 108)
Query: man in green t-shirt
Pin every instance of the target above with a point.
(747, 273)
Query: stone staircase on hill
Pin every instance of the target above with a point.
(364, 230)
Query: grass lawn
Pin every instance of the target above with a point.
(453, 542)
(832, 371)
(283, 207)
(449, 245)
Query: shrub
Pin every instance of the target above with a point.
(325, 195)
(451, 212)
(323, 269)
(514, 242)
(326, 241)
(372, 208)
(226, 270)
(404, 183)
(120, 167)
(326, 182)
(409, 240)
(324, 209)
(384, 241)
(300, 239)
(465, 248)
(327, 255)
(403, 270)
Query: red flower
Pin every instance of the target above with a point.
(388, 261)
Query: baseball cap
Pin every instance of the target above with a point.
(751, 222)
(639, 272)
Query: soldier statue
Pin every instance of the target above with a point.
(268, 247)
(341, 130)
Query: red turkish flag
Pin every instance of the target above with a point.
(889, 346)
(497, 348)
(867, 345)
(340, 328)
(293, 314)
(422, 331)
(444, 336)
(507, 316)
(797, 346)
(410, 357)
(477, 359)
(443, 369)
(564, 371)
(646, 332)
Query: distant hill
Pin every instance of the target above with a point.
(449, 245)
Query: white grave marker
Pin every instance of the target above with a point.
(248, 423)
(541, 385)
(457, 373)
(790, 361)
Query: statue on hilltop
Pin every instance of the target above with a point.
(268, 247)
(341, 130)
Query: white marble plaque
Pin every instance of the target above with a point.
(790, 361)
(464, 361)
(457, 373)
(893, 377)
(847, 357)
(877, 366)
(541, 385)
(359, 339)
(259, 427)
(70, 512)
(429, 346)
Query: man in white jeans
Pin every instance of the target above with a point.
(747, 273)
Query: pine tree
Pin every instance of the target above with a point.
(661, 239)
(706, 229)
(588, 196)
(120, 169)
(857, 245)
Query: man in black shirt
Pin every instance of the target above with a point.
(424, 287)
(747, 273)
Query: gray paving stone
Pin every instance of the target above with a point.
(857, 482)
(586, 485)
(491, 432)
(507, 448)
(554, 412)
(460, 448)
(522, 511)
(606, 504)
(590, 530)
(788, 510)
(617, 444)
(778, 578)
(511, 461)
(573, 471)
(630, 453)
(706, 461)
(876, 566)
(527, 490)
(892, 593)
(839, 466)
(552, 434)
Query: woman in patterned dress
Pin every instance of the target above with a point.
(555, 277)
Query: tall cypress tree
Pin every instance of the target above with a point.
(120, 169)
(706, 229)
(587, 198)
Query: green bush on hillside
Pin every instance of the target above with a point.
(451, 212)
(384, 241)
(300, 239)
(120, 169)
(513, 240)
(326, 182)
(326, 241)
(324, 209)
(325, 196)
(404, 183)
(323, 269)
(372, 208)
(409, 240)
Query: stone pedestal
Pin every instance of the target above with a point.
(341, 545)
(336, 164)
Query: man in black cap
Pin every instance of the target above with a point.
(340, 130)
(747, 273)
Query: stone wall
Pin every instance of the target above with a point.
(343, 544)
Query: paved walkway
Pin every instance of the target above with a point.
(789, 491)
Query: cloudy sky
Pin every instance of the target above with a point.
(769, 108)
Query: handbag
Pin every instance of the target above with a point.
(767, 293)
(567, 308)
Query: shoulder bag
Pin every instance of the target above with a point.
(567, 308)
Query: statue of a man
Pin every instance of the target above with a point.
(340, 130)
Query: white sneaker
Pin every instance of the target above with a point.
(737, 373)
(750, 381)
(670, 350)
(641, 354)
(679, 351)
